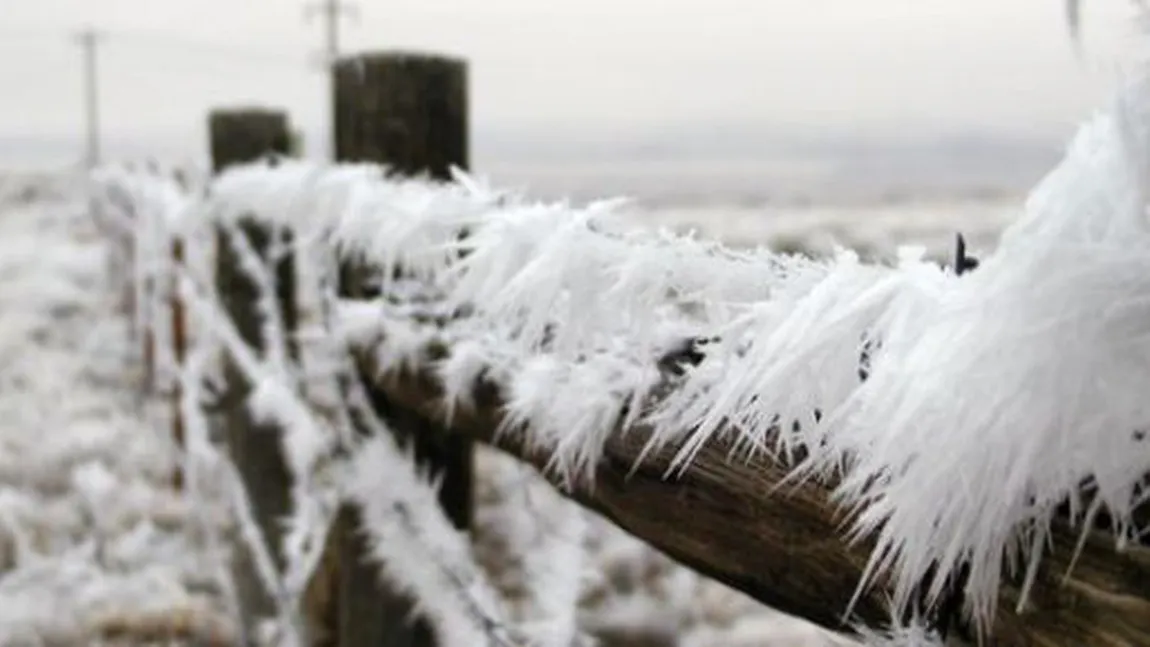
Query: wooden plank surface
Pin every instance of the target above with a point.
(723, 518)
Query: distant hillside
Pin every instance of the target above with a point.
(756, 166)
(716, 165)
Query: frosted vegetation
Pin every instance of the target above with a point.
(98, 548)
(93, 541)
(973, 423)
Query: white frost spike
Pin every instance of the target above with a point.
(304, 442)
(403, 345)
(530, 392)
(544, 535)
(460, 372)
(555, 573)
(914, 634)
(1027, 380)
(360, 323)
(418, 548)
(571, 409)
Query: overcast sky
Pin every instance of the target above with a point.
(602, 69)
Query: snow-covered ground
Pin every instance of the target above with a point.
(96, 547)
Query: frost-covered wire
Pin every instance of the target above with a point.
(418, 549)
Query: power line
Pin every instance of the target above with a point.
(28, 33)
(199, 47)
(331, 11)
(89, 40)
(174, 42)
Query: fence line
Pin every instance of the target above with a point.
(745, 516)
(640, 372)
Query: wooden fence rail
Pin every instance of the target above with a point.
(725, 519)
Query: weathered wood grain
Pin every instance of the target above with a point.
(726, 519)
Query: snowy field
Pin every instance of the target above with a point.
(96, 548)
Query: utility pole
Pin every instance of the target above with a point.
(331, 11)
(89, 41)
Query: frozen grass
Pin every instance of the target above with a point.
(94, 544)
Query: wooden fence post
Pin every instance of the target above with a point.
(242, 135)
(179, 351)
(408, 112)
(238, 137)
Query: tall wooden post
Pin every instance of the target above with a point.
(242, 135)
(408, 112)
(238, 137)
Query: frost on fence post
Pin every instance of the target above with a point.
(366, 613)
(238, 137)
(254, 446)
(409, 113)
